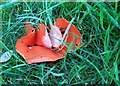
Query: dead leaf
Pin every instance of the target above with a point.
(5, 56)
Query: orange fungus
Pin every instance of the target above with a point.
(40, 46)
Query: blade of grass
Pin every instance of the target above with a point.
(9, 69)
(7, 5)
(106, 44)
(67, 29)
(57, 74)
(31, 17)
(101, 15)
(116, 6)
(116, 71)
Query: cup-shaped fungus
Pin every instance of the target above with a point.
(40, 46)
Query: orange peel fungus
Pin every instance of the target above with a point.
(40, 46)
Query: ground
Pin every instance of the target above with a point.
(96, 62)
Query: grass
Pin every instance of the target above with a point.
(96, 62)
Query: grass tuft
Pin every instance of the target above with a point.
(96, 62)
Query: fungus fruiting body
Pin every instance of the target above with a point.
(40, 46)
